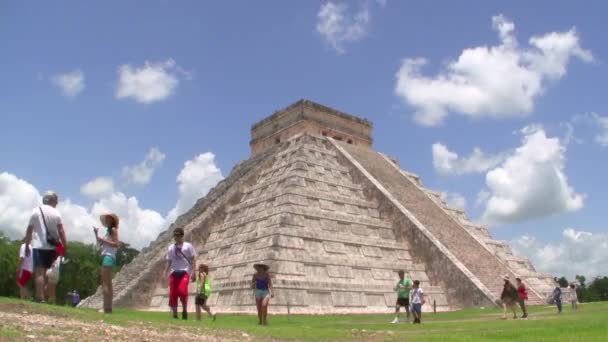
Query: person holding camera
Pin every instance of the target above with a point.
(45, 235)
(109, 245)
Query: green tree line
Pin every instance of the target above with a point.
(595, 291)
(80, 273)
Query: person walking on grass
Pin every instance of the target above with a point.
(557, 298)
(203, 290)
(417, 299)
(573, 297)
(523, 296)
(402, 288)
(46, 237)
(109, 245)
(262, 286)
(181, 262)
(24, 271)
(509, 297)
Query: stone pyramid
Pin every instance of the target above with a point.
(335, 221)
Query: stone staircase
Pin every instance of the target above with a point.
(474, 256)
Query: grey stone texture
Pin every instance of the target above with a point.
(335, 221)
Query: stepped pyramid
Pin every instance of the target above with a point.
(335, 221)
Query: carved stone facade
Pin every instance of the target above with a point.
(335, 221)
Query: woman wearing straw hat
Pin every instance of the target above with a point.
(109, 245)
(262, 286)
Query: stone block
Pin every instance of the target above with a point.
(348, 299)
(339, 271)
(334, 247)
(371, 251)
(374, 299)
(290, 242)
(319, 298)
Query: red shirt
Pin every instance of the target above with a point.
(523, 294)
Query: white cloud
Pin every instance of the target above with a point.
(447, 162)
(578, 252)
(197, 177)
(497, 81)
(602, 123)
(454, 200)
(142, 173)
(71, 83)
(138, 226)
(17, 200)
(151, 83)
(98, 187)
(531, 182)
(338, 26)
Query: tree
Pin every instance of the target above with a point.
(124, 255)
(562, 281)
(9, 260)
(599, 286)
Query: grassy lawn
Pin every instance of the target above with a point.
(589, 324)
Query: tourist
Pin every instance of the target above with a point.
(46, 235)
(557, 298)
(573, 297)
(75, 298)
(262, 286)
(509, 297)
(203, 290)
(109, 245)
(24, 271)
(417, 300)
(181, 262)
(523, 296)
(402, 288)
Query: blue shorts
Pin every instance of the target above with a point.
(43, 257)
(108, 261)
(417, 308)
(261, 294)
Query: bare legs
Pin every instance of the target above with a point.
(39, 283)
(262, 306)
(106, 286)
(204, 307)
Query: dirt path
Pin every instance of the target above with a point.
(18, 324)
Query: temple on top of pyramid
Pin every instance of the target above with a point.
(308, 117)
(335, 221)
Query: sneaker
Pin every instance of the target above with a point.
(184, 315)
(396, 320)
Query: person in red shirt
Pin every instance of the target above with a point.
(523, 296)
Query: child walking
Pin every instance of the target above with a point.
(203, 291)
(417, 300)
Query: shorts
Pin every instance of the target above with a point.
(24, 277)
(261, 294)
(417, 308)
(402, 301)
(200, 299)
(108, 261)
(44, 257)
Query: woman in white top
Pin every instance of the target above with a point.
(109, 245)
(573, 297)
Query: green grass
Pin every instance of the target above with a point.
(589, 324)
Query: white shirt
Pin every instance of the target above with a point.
(573, 296)
(178, 260)
(417, 295)
(28, 263)
(53, 220)
(106, 248)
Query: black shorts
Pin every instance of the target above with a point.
(200, 299)
(403, 302)
(43, 257)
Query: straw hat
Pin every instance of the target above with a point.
(103, 217)
(262, 266)
(506, 277)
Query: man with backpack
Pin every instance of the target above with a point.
(181, 262)
(46, 237)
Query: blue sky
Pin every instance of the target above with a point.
(119, 105)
